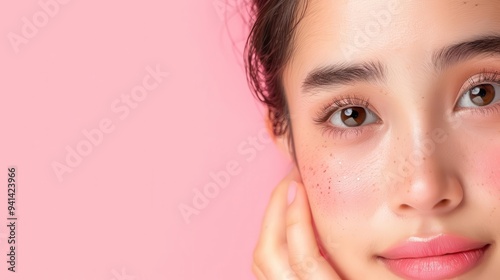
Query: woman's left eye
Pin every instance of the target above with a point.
(480, 96)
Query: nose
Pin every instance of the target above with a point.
(424, 184)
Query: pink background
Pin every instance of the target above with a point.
(116, 214)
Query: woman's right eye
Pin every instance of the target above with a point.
(352, 117)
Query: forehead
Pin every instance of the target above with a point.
(395, 32)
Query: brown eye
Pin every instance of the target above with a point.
(482, 95)
(353, 116)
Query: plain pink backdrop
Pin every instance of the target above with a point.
(116, 214)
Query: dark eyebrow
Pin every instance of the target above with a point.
(348, 73)
(342, 74)
(447, 56)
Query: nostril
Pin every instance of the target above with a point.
(443, 203)
(405, 207)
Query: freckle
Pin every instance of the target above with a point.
(331, 154)
(324, 171)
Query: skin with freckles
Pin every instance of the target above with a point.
(425, 159)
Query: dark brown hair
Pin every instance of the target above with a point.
(267, 50)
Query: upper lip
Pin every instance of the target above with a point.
(422, 247)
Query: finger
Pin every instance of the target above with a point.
(270, 256)
(272, 265)
(303, 251)
(285, 274)
(258, 273)
(273, 225)
(273, 229)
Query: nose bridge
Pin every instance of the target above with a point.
(425, 182)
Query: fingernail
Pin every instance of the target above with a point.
(292, 190)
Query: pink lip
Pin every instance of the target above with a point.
(442, 256)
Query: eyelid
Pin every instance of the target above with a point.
(339, 103)
(481, 78)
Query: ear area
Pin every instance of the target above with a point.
(280, 141)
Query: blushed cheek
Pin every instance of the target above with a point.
(488, 168)
(337, 189)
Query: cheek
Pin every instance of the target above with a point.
(487, 167)
(343, 195)
(339, 188)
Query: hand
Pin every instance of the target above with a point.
(287, 247)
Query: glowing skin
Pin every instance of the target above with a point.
(426, 166)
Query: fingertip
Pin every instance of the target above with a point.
(298, 209)
(292, 191)
(295, 174)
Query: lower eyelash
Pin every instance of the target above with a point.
(336, 132)
(486, 111)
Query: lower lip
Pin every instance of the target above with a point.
(436, 267)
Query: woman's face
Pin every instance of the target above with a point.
(395, 113)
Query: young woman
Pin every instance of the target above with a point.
(390, 110)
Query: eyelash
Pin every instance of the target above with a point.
(346, 101)
(484, 77)
(336, 104)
